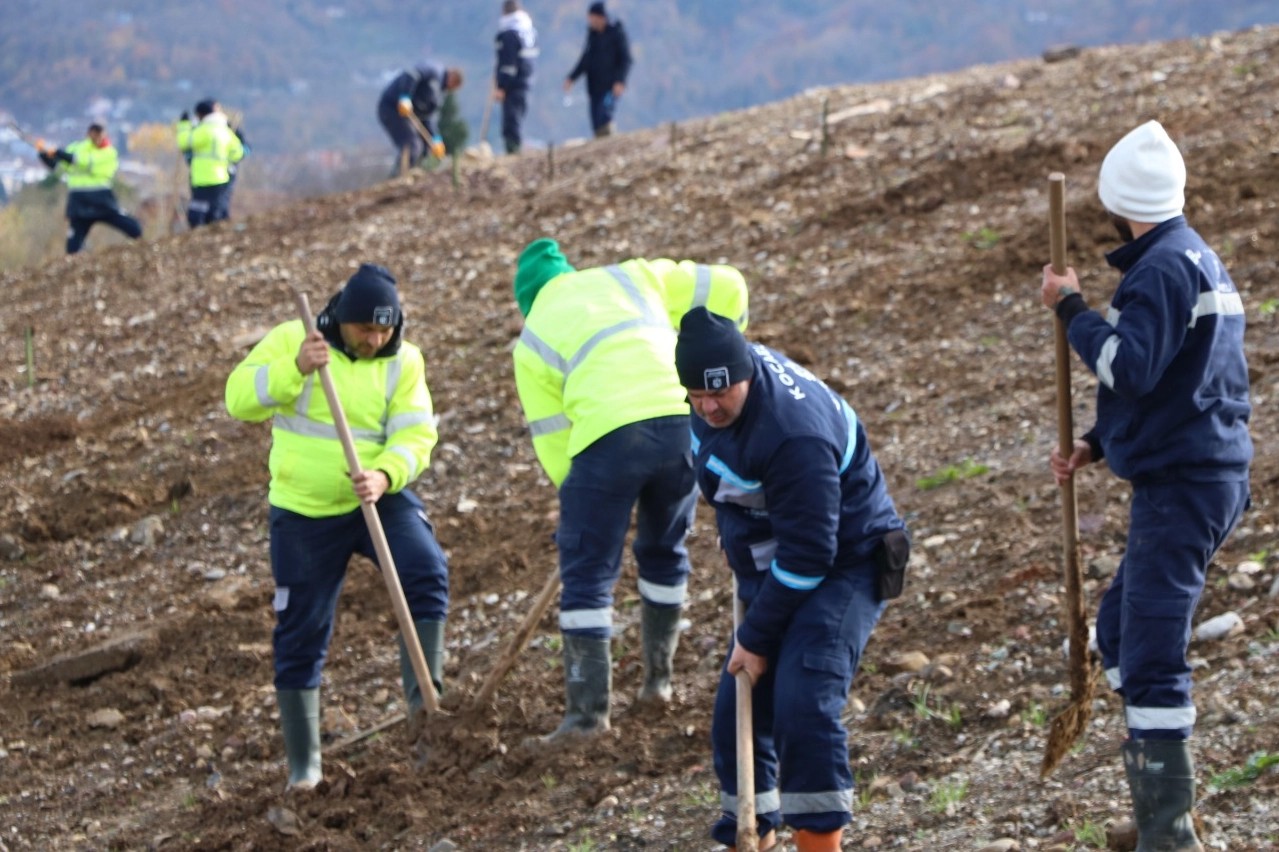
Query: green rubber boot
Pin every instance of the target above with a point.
(660, 637)
(1161, 777)
(300, 722)
(588, 684)
(430, 635)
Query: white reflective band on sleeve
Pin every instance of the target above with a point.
(1106, 360)
(281, 601)
(261, 384)
(543, 350)
(641, 303)
(549, 425)
(303, 402)
(1113, 678)
(702, 285)
(798, 582)
(599, 337)
(581, 619)
(1215, 303)
(766, 802)
(659, 594)
(1112, 316)
(1160, 718)
(409, 458)
(406, 420)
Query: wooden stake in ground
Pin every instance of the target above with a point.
(747, 833)
(1070, 723)
(484, 122)
(430, 701)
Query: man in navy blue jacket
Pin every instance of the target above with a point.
(811, 534)
(606, 60)
(1172, 418)
(419, 91)
(516, 50)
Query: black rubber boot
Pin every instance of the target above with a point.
(1161, 777)
(300, 722)
(588, 684)
(660, 636)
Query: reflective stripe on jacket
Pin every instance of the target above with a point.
(386, 402)
(598, 352)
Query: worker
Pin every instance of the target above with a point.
(606, 62)
(316, 521)
(516, 50)
(89, 168)
(214, 149)
(817, 548)
(416, 94)
(1172, 419)
(594, 368)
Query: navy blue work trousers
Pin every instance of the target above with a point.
(309, 557)
(1144, 620)
(602, 109)
(802, 776)
(514, 108)
(642, 466)
(403, 134)
(209, 204)
(80, 225)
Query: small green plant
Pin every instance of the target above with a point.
(926, 707)
(1090, 833)
(905, 739)
(946, 795)
(1246, 69)
(189, 801)
(1242, 776)
(586, 844)
(966, 469)
(864, 792)
(1259, 555)
(983, 238)
(1034, 715)
(549, 782)
(1269, 307)
(702, 796)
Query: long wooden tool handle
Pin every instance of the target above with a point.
(420, 128)
(747, 835)
(1071, 570)
(402, 615)
(518, 641)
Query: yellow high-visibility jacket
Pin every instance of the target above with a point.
(213, 147)
(91, 167)
(598, 350)
(386, 402)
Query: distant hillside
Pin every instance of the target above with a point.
(306, 72)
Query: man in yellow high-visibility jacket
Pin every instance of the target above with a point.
(214, 149)
(595, 370)
(89, 167)
(315, 517)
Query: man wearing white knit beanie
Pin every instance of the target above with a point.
(1172, 418)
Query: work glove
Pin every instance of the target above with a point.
(42, 148)
(404, 107)
(437, 148)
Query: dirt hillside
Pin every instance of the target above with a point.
(900, 259)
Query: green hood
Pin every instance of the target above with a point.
(540, 261)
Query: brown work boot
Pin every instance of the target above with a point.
(811, 841)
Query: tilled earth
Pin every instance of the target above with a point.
(900, 258)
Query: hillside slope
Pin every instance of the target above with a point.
(903, 265)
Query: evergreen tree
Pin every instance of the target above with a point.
(453, 129)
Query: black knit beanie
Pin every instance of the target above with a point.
(369, 296)
(711, 353)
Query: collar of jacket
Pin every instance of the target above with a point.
(1126, 256)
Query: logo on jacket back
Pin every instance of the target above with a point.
(716, 378)
(384, 316)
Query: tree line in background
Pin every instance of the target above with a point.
(307, 72)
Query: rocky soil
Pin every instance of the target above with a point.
(900, 258)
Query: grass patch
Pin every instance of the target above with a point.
(1034, 715)
(966, 469)
(1090, 833)
(983, 238)
(1242, 776)
(946, 796)
(1269, 307)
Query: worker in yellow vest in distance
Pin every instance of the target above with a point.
(595, 370)
(89, 168)
(212, 148)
